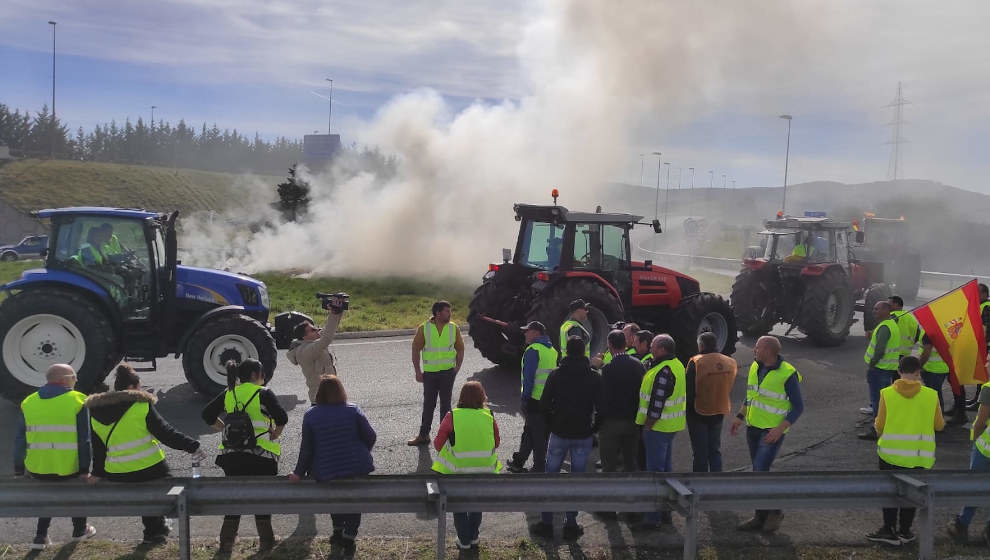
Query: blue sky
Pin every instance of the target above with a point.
(252, 65)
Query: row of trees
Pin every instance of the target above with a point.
(160, 144)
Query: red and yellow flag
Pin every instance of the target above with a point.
(952, 322)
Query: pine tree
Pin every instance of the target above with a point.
(293, 196)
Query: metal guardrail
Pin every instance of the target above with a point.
(688, 494)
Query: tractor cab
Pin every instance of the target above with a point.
(797, 243)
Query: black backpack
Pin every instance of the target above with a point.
(238, 428)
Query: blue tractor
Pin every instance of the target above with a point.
(112, 288)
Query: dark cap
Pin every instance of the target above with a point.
(578, 304)
(534, 326)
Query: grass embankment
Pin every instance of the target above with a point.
(33, 184)
(520, 549)
(379, 304)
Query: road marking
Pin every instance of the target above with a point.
(390, 339)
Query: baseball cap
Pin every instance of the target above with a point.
(534, 326)
(578, 304)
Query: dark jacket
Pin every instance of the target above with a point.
(336, 442)
(108, 408)
(572, 398)
(51, 391)
(621, 379)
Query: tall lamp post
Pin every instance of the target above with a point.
(656, 203)
(153, 107)
(787, 157)
(52, 132)
(641, 161)
(330, 116)
(666, 194)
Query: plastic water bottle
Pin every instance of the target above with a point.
(195, 469)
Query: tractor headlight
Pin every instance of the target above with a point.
(250, 295)
(265, 301)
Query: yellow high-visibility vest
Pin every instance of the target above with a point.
(892, 352)
(768, 403)
(908, 438)
(672, 416)
(52, 439)
(473, 450)
(439, 353)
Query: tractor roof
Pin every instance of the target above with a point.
(551, 213)
(129, 213)
(796, 223)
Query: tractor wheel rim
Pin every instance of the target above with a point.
(223, 348)
(36, 342)
(716, 324)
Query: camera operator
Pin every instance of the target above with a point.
(311, 349)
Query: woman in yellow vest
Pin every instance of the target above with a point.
(128, 437)
(466, 442)
(979, 462)
(906, 424)
(246, 393)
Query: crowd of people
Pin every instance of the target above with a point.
(630, 400)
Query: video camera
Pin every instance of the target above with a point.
(338, 302)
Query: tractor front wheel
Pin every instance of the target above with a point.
(752, 304)
(705, 312)
(228, 337)
(876, 293)
(827, 309)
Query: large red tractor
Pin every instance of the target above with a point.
(561, 256)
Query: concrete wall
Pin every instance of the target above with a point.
(14, 224)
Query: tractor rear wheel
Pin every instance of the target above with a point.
(228, 337)
(550, 308)
(706, 312)
(752, 304)
(876, 293)
(489, 338)
(41, 327)
(827, 309)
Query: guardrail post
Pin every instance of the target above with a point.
(686, 505)
(182, 515)
(435, 494)
(920, 494)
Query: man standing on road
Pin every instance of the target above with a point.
(979, 462)
(661, 414)
(51, 441)
(311, 350)
(576, 324)
(629, 331)
(442, 348)
(773, 404)
(539, 359)
(709, 377)
(644, 339)
(881, 358)
(906, 324)
(619, 434)
(906, 423)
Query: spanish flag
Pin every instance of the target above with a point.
(952, 321)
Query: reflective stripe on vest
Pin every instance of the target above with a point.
(474, 444)
(547, 363)
(565, 328)
(983, 442)
(439, 353)
(908, 438)
(892, 352)
(909, 329)
(52, 441)
(132, 447)
(767, 402)
(672, 416)
(262, 424)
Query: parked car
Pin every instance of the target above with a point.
(29, 248)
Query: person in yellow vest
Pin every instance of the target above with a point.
(881, 358)
(985, 319)
(577, 324)
(539, 359)
(246, 393)
(773, 404)
(438, 341)
(51, 442)
(644, 339)
(629, 331)
(661, 413)
(709, 378)
(906, 423)
(89, 253)
(934, 369)
(129, 437)
(979, 461)
(466, 442)
(907, 325)
(110, 245)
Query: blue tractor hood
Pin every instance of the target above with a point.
(220, 288)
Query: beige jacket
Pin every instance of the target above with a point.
(314, 356)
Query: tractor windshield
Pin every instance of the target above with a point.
(541, 245)
(813, 246)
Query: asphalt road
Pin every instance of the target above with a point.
(378, 376)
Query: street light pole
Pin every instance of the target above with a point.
(52, 132)
(666, 195)
(656, 203)
(153, 107)
(641, 169)
(787, 157)
(330, 116)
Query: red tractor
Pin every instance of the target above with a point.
(561, 256)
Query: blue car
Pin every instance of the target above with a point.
(29, 248)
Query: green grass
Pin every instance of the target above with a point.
(33, 184)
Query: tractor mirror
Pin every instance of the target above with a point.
(506, 255)
(647, 263)
(860, 236)
(656, 226)
(44, 253)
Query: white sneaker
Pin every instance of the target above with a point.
(40, 543)
(866, 410)
(90, 533)
(460, 545)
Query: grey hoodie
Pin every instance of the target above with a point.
(314, 356)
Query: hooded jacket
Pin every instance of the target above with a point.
(907, 389)
(314, 356)
(572, 399)
(109, 407)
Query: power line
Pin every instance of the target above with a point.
(896, 137)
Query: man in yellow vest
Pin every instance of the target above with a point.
(439, 344)
(773, 404)
(907, 325)
(629, 331)
(51, 441)
(881, 358)
(577, 324)
(906, 424)
(644, 339)
(661, 414)
(539, 359)
(979, 462)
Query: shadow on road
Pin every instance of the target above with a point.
(502, 388)
(181, 406)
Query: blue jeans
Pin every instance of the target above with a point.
(706, 441)
(467, 526)
(557, 449)
(659, 452)
(935, 381)
(977, 463)
(877, 379)
(762, 455)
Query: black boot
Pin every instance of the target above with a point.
(228, 534)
